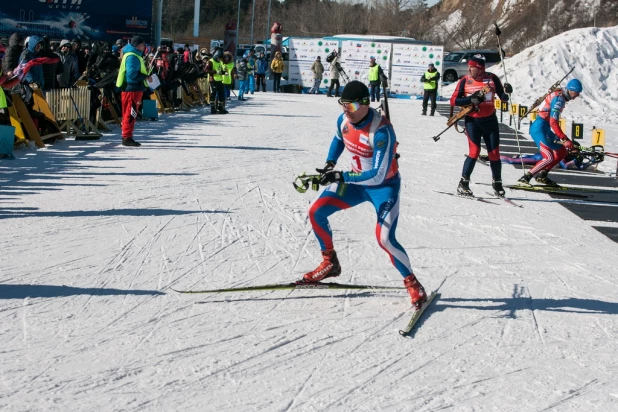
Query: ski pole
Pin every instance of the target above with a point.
(498, 33)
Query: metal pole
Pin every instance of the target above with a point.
(159, 22)
(268, 22)
(252, 21)
(196, 19)
(238, 27)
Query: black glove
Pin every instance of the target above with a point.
(330, 165)
(476, 100)
(508, 88)
(331, 176)
(423, 79)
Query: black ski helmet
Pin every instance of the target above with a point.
(355, 91)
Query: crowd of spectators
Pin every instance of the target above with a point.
(97, 65)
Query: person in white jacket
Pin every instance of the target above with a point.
(334, 76)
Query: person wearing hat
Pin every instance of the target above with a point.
(334, 73)
(215, 68)
(478, 88)
(229, 73)
(318, 71)
(70, 72)
(552, 142)
(375, 74)
(370, 139)
(32, 51)
(12, 53)
(277, 66)
(430, 80)
(76, 45)
(132, 80)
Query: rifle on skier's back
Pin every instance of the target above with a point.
(538, 101)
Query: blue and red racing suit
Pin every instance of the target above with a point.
(546, 132)
(374, 178)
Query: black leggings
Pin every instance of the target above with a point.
(334, 83)
(277, 82)
(260, 79)
(430, 94)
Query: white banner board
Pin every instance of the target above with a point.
(303, 53)
(355, 57)
(409, 63)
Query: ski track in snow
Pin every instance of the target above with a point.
(525, 320)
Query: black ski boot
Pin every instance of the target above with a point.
(498, 189)
(544, 179)
(222, 108)
(464, 188)
(525, 179)
(424, 112)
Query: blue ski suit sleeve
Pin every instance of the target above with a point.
(336, 146)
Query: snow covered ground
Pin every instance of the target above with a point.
(94, 235)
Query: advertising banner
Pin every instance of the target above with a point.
(303, 53)
(409, 63)
(88, 20)
(355, 57)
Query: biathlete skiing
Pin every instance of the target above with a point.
(370, 140)
(553, 144)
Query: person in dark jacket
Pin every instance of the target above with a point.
(107, 62)
(12, 53)
(35, 74)
(70, 73)
(50, 71)
(131, 79)
(260, 75)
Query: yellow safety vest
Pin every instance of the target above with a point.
(227, 78)
(3, 102)
(121, 79)
(216, 66)
(373, 73)
(430, 84)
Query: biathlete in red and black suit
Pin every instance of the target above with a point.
(481, 122)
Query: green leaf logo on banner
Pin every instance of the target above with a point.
(437, 63)
(373, 45)
(320, 43)
(431, 55)
(424, 48)
(326, 50)
(379, 51)
(325, 81)
(385, 57)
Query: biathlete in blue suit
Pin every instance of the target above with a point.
(553, 144)
(372, 144)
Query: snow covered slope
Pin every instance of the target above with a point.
(594, 54)
(95, 234)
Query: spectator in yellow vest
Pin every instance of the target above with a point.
(375, 74)
(132, 77)
(430, 80)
